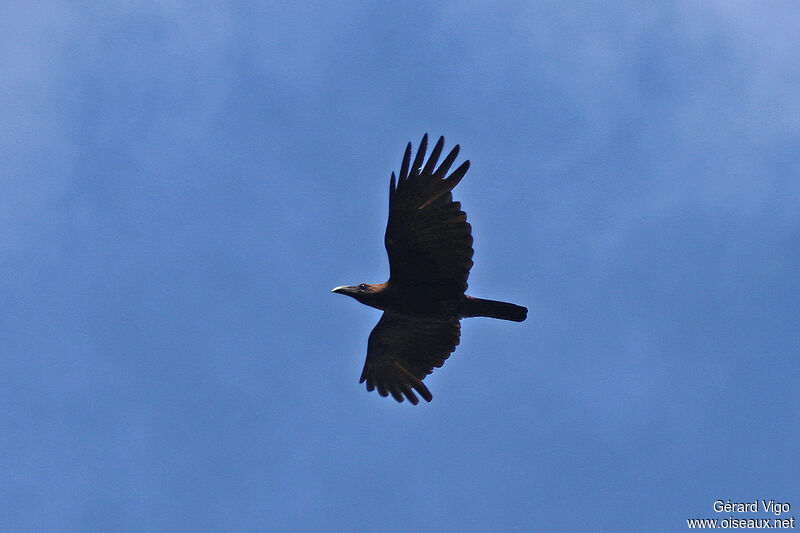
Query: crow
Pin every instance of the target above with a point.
(429, 244)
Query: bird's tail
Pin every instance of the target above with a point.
(493, 309)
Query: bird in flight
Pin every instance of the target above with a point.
(429, 244)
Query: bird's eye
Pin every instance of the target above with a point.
(363, 286)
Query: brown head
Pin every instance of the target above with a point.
(366, 293)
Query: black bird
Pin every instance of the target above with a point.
(429, 243)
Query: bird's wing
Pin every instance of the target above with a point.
(428, 239)
(402, 351)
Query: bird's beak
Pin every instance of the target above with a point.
(343, 289)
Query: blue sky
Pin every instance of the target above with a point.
(184, 182)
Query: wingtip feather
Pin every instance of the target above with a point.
(434, 157)
(410, 394)
(447, 163)
(423, 391)
(423, 147)
(404, 166)
(457, 174)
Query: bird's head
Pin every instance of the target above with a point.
(365, 293)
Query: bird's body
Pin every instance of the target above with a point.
(429, 244)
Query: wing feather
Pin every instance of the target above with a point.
(437, 151)
(428, 239)
(404, 167)
(402, 351)
(416, 168)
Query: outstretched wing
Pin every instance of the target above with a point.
(402, 351)
(428, 239)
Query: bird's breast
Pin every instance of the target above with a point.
(422, 303)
